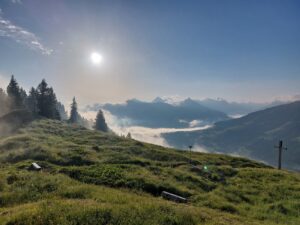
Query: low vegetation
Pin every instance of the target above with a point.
(91, 177)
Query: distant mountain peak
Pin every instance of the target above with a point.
(171, 100)
(133, 100)
(158, 100)
(189, 101)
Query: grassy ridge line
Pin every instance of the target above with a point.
(232, 191)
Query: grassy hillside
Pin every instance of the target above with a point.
(253, 135)
(96, 178)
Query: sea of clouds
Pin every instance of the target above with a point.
(122, 126)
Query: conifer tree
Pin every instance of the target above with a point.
(53, 102)
(46, 101)
(15, 95)
(62, 111)
(32, 101)
(74, 116)
(23, 95)
(100, 123)
(128, 135)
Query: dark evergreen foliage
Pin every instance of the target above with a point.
(16, 95)
(47, 102)
(128, 135)
(76, 118)
(100, 123)
(62, 111)
(74, 113)
(23, 95)
(32, 101)
(40, 102)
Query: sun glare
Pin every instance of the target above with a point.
(96, 58)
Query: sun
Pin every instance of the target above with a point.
(96, 58)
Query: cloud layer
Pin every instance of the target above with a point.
(145, 134)
(22, 36)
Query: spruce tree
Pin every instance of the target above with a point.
(42, 90)
(74, 116)
(15, 95)
(46, 101)
(62, 111)
(53, 102)
(23, 95)
(32, 101)
(100, 123)
(128, 135)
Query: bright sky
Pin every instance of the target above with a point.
(238, 50)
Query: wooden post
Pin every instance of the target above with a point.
(280, 154)
(280, 148)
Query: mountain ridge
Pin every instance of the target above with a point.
(253, 135)
(160, 114)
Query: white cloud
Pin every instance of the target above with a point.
(172, 99)
(236, 116)
(122, 126)
(195, 123)
(152, 135)
(22, 36)
(16, 1)
(90, 115)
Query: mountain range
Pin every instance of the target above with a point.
(158, 114)
(253, 135)
(237, 108)
(171, 113)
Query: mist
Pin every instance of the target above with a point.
(123, 126)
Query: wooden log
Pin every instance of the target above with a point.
(173, 197)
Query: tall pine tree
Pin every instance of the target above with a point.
(32, 101)
(46, 101)
(23, 95)
(62, 111)
(15, 94)
(74, 116)
(100, 123)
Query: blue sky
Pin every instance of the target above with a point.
(238, 50)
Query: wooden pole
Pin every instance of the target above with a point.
(280, 153)
(280, 148)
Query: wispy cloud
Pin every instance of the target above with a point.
(22, 36)
(16, 1)
(145, 134)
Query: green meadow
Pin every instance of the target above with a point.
(90, 177)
